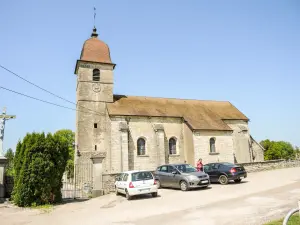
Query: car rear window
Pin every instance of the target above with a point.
(228, 164)
(141, 176)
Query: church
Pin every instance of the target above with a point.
(136, 132)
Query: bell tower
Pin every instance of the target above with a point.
(94, 90)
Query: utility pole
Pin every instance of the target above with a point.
(3, 118)
(3, 160)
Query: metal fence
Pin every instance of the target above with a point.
(81, 185)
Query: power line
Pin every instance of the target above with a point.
(49, 92)
(44, 101)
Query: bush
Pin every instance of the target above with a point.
(39, 165)
(69, 137)
(9, 155)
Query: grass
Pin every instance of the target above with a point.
(294, 220)
(44, 208)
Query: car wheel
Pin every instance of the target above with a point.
(128, 196)
(223, 179)
(158, 184)
(237, 180)
(183, 185)
(116, 191)
(154, 194)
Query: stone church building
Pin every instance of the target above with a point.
(123, 132)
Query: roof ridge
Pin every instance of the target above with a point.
(184, 99)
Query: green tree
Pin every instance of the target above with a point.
(266, 144)
(10, 162)
(39, 166)
(278, 150)
(69, 137)
(297, 152)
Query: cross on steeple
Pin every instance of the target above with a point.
(95, 17)
(3, 118)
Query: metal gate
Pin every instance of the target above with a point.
(81, 185)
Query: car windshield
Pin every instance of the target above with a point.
(186, 168)
(138, 176)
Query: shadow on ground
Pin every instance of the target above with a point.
(231, 183)
(194, 189)
(67, 201)
(140, 197)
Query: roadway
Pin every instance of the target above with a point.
(259, 198)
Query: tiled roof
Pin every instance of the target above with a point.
(200, 115)
(95, 50)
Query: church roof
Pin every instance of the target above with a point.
(95, 50)
(199, 114)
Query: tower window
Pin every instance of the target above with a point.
(95, 125)
(95, 147)
(96, 75)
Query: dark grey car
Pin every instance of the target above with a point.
(183, 176)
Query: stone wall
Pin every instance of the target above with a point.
(93, 128)
(257, 150)
(157, 142)
(109, 182)
(241, 138)
(270, 165)
(223, 146)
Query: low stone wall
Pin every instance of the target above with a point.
(109, 182)
(270, 165)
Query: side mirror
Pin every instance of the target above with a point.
(174, 172)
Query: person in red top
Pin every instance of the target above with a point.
(200, 165)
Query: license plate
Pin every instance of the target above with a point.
(145, 189)
(204, 181)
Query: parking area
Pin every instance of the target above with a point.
(262, 195)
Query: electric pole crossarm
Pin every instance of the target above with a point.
(7, 117)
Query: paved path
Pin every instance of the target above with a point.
(260, 197)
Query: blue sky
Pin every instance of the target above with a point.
(246, 52)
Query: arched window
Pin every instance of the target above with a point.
(172, 146)
(96, 75)
(141, 146)
(212, 144)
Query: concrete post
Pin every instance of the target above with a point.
(3, 162)
(97, 160)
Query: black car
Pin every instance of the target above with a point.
(223, 172)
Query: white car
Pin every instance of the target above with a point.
(137, 182)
